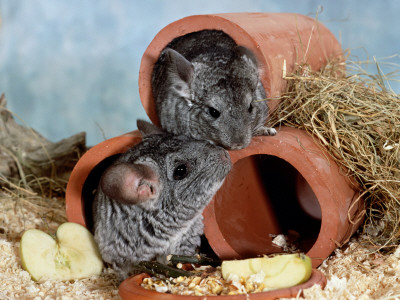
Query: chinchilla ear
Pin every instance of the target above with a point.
(130, 183)
(179, 65)
(147, 129)
(246, 55)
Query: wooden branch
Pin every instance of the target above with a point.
(155, 268)
(195, 259)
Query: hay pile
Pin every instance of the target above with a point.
(358, 122)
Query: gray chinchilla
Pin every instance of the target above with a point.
(207, 87)
(149, 202)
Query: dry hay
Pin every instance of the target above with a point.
(30, 161)
(358, 122)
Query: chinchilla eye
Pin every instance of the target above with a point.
(213, 112)
(250, 108)
(180, 172)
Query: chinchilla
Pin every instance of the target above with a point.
(207, 87)
(149, 202)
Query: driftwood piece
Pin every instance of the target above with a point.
(25, 153)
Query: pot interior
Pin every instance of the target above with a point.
(264, 196)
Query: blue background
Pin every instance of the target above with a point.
(71, 66)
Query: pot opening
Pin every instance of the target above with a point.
(90, 186)
(262, 197)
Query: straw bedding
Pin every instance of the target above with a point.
(355, 120)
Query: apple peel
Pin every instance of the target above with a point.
(73, 254)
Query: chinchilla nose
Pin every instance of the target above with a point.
(240, 140)
(239, 143)
(236, 146)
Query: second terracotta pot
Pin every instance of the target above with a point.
(283, 184)
(279, 41)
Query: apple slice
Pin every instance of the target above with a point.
(72, 255)
(236, 269)
(280, 271)
(294, 269)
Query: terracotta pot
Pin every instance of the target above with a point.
(278, 184)
(273, 37)
(283, 184)
(130, 289)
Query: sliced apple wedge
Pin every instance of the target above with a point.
(236, 269)
(72, 255)
(280, 271)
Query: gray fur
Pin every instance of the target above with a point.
(169, 221)
(204, 70)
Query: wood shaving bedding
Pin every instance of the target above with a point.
(353, 272)
(359, 273)
(17, 216)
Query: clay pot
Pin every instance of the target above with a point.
(278, 184)
(130, 289)
(275, 39)
(283, 184)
